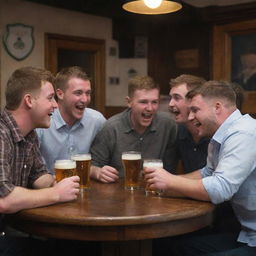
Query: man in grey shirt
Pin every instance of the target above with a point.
(139, 128)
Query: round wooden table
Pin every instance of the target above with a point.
(108, 212)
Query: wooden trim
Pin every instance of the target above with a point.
(113, 110)
(97, 46)
(222, 55)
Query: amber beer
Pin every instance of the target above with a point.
(152, 163)
(64, 169)
(132, 169)
(83, 165)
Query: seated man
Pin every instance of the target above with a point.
(73, 125)
(230, 172)
(24, 179)
(139, 128)
(191, 149)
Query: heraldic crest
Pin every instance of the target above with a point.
(18, 40)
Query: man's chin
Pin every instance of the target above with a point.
(180, 120)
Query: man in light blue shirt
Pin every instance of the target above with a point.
(230, 173)
(73, 126)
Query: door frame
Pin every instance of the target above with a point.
(96, 46)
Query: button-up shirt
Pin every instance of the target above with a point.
(61, 141)
(118, 135)
(230, 173)
(20, 159)
(193, 155)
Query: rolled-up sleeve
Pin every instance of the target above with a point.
(6, 185)
(235, 162)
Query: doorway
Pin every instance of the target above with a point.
(63, 51)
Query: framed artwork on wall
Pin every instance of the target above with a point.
(18, 40)
(234, 58)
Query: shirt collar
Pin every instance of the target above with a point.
(61, 123)
(15, 130)
(184, 134)
(221, 131)
(128, 123)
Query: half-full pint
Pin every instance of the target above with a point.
(64, 169)
(132, 169)
(152, 163)
(83, 164)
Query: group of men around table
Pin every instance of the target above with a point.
(206, 113)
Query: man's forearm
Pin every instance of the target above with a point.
(94, 171)
(22, 198)
(187, 187)
(193, 175)
(45, 181)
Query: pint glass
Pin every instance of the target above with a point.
(64, 169)
(152, 163)
(83, 164)
(132, 169)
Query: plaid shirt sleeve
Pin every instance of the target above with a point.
(38, 168)
(6, 185)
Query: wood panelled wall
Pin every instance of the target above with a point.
(164, 43)
(188, 29)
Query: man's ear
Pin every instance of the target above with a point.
(218, 107)
(128, 101)
(59, 94)
(28, 100)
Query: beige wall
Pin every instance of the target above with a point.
(46, 19)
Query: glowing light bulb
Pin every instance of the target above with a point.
(152, 3)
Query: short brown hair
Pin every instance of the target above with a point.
(191, 81)
(215, 89)
(66, 74)
(140, 83)
(25, 80)
(239, 91)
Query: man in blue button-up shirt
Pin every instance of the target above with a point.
(230, 173)
(73, 125)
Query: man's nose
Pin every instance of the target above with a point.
(54, 103)
(149, 106)
(191, 116)
(171, 103)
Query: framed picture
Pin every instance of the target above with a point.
(18, 40)
(234, 58)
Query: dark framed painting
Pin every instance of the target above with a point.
(234, 58)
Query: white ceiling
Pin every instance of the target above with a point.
(205, 3)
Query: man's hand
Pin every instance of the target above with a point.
(67, 189)
(106, 174)
(157, 178)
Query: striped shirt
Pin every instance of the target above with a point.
(21, 163)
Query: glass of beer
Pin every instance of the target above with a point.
(83, 165)
(152, 163)
(64, 168)
(132, 169)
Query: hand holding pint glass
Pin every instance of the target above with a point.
(132, 169)
(64, 169)
(152, 163)
(83, 165)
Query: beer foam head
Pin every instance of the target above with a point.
(81, 157)
(153, 163)
(131, 156)
(65, 164)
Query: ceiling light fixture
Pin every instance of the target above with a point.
(152, 7)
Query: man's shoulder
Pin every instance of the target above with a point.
(93, 112)
(165, 117)
(6, 127)
(116, 121)
(246, 122)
